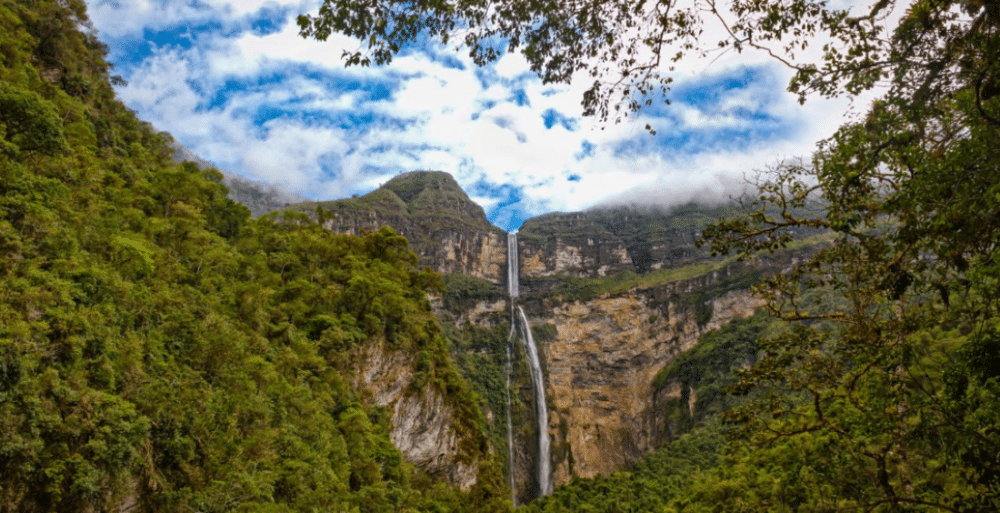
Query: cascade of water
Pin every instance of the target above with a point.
(510, 425)
(542, 410)
(512, 292)
(512, 271)
(537, 380)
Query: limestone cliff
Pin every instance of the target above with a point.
(423, 423)
(613, 296)
(605, 352)
(570, 244)
(605, 241)
(445, 228)
(601, 368)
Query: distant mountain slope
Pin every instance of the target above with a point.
(259, 197)
(446, 229)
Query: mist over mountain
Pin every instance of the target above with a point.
(259, 197)
(174, 338)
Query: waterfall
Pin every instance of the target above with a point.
(510, 425)
(537, 379)
(541, 409)
(512, 270)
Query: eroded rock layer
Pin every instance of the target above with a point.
(601, 368)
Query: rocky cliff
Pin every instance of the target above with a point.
(423, 423)
(606, 241)
(445, 228)
(602, 361)
(613, 296)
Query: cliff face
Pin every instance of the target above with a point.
(445, 228)
(606, 351)
(615, 295)
(423, 423)
(608, 241)
(601, 368)
(571, 245)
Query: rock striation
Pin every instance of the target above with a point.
(422, 422)
(601, 370)
(446, 229)
(602, 343)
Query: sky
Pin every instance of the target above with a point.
(234, 82)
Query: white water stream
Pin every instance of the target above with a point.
(537, 379)
(512, 269)
(542, 410)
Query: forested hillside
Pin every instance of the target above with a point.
(259, 197)
(162, 351)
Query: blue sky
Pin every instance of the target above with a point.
(232, 81)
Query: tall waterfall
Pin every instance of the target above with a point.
(512, 270)
(512, 292)
(537, 379)
(542, 410)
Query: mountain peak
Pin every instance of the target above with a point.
(418, 202)
(434, 198)
(409, 186)
(432, 211)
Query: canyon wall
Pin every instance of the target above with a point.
(603, 342)
(601, 370)
(423, 423)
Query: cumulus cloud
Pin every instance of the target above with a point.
(122, 18)
(275, 107)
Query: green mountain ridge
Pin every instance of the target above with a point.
(161, 350)
(261, 198)
(430, 200)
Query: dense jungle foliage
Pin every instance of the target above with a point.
(880, 391)
(162, 351)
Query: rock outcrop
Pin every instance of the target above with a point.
(445, 228)
(423, 424)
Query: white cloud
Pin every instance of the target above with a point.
(506, 144)
(512, 65)
(121, 18)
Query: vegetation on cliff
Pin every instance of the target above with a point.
(159, 349)
(418, 203)
(880, 392)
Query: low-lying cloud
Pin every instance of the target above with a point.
(274, 107)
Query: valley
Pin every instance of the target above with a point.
(610, 297)
(173, 338)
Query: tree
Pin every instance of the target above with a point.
(629, 48)
(880, 381)
(882, 392)
(28, 123)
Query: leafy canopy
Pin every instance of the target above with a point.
(629, 48)
(878, 396)
(162, 351)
